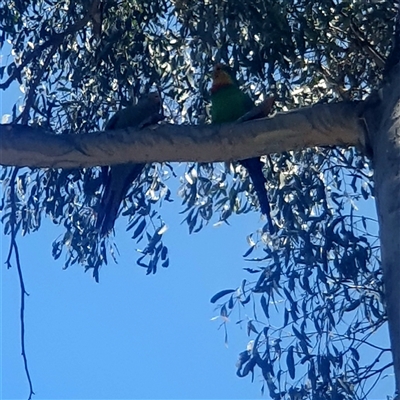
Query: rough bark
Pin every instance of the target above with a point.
(385, 141)
(320, 125)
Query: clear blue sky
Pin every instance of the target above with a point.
(131, 336)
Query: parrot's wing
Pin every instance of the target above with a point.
(134, 116)
(261, 111)
(151, 120)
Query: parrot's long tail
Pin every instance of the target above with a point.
(120, 178)
(254, 168)
(108, 211)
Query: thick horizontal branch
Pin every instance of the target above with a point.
(335, 124)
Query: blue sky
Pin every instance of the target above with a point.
(131, 336)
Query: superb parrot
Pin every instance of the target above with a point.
(228, 104)
(118, 178)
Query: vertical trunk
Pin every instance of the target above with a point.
(385, 141)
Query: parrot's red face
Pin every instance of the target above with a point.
(221, 77)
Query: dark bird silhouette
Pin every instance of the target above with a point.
(119, 178)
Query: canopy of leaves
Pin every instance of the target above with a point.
(79, 61)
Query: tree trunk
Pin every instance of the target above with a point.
(385, 141)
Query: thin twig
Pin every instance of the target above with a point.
(377, 371)
(23, 292)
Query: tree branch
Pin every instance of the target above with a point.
(335, 124)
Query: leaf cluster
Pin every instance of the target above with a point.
(322, 265)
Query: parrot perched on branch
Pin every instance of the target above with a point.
(119, 178)
(229, 104)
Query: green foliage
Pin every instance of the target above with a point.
(323, 261)
(322, 279)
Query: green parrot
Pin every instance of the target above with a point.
(118, 178)
(228, 104)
